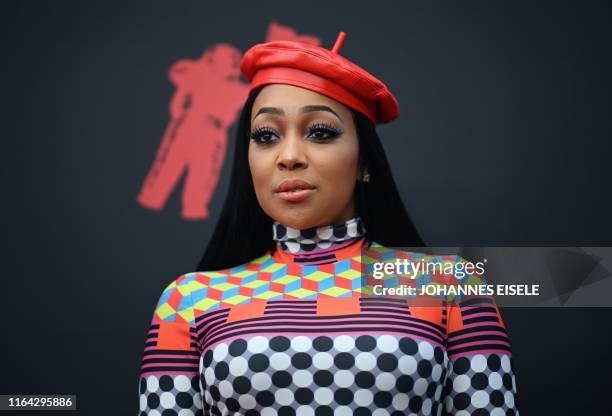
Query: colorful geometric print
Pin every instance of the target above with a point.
(250, 291)
(268, 279)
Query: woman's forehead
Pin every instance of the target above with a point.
(291, 99)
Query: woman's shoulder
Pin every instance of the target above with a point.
(203, 289)
(198, 291)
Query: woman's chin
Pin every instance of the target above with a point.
(298, 218)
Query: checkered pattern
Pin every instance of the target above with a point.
(345, 374)
(481, 384)
(316, 238)
(170, 395)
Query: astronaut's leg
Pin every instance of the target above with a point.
(203, 174)
(170, 162)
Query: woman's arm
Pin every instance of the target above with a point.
(480, 378)
(169, 375)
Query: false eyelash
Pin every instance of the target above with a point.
(259, 131)
(328, 127)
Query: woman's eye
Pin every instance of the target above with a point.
(323, 132)
(263, 135)
(320, 132)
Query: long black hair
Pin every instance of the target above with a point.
(244, 230)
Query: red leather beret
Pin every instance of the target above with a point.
(321, 70)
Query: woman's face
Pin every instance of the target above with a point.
(303, 156)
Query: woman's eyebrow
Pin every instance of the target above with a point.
(309, 108)
(304, 109)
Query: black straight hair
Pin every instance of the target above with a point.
(244, 230)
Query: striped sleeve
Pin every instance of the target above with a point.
(481, 377)
(169, 374)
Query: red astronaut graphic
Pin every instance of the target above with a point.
(277, 31)
(207, 100)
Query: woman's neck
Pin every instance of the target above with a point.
(318, 239)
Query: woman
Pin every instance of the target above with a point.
(280, 319)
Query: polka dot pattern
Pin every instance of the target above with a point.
(482, 384)
(316, 238)
(345, 374)
(171, 395)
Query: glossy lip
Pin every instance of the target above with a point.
(294, 190)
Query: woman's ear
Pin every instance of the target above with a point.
(365, 175)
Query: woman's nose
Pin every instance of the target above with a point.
(291, 153)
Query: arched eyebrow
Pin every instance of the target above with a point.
(305, 109)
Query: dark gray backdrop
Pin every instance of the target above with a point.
(503, 139)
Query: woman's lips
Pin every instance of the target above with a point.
(295, 196)
(294, 190)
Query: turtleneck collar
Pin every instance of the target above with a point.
(315, 239)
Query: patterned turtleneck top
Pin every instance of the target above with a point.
(317, 245)
(298, 331)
